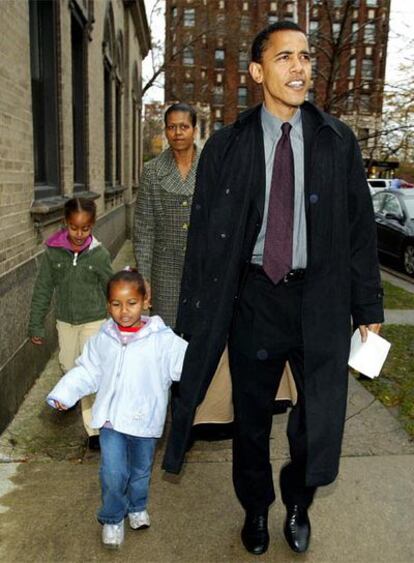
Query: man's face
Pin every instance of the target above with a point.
(284, 73)
(179, 130)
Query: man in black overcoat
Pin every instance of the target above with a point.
(281, 255)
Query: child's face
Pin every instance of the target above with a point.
(126, 304)
(79, 225)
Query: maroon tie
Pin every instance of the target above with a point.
(277, 254)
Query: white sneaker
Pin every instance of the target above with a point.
(113, 535)
(139, 520)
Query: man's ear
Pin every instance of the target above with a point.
(256, 72)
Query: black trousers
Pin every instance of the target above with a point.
(266, 332)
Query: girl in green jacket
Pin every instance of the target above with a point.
(75, 267)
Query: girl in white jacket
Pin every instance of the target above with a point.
(130, 365)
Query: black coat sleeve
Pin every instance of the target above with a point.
(366, 291)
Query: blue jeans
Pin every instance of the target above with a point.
(125, 473)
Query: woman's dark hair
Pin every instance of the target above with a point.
(186, 108)
(129, 275)
(79, 204)
(260, 41)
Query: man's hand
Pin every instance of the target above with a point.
(363, 329)
(60, 406)
(38, 340)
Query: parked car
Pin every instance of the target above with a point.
(378, 184)
(394, 216)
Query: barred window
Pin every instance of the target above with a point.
(44, 96)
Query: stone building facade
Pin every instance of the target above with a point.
(70, 124)
(208, 53)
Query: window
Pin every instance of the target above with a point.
(218, 125)
(273, 6)
(313, 29)
(113, 101)
(221, 20)
(365, 103)
(289, 9)
(369, 33)
(363, 134)
(245, 23)
(44, 95)
(355, 30)
(372, 3)
(108, 124)
(336, 29)
(79, 43)
(311, 96)
(189, 17)
(189, 91)
(350, 103)
(243, 60)
(173, 12)
(242, 96)
(392, 205)
(245, 6)
(118, 112)
(272, 19)
(136, 125)
(352, 68)
(221, 4)
(367, 69)
(219, 58)
(218, 95)
(377, 202)
(188, 56)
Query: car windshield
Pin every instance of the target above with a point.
(409, 202)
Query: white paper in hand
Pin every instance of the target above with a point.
(368, 357)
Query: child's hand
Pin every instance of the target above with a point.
(38, 340)
(60, 406)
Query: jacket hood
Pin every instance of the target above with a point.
(152, 325)
(60, 240)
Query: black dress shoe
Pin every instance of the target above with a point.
(297, 528)
(255, 535)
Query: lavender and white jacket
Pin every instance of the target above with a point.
(130, 377)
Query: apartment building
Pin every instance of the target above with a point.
(208, 54)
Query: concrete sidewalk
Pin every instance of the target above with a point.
(49, 493)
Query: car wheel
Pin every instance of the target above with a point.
(408, 259)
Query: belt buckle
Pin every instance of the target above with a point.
(287, 277)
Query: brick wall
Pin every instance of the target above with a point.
(17, 236)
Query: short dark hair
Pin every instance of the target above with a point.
(260, 41)
(129, 275)
(79, 204)
(186, 108)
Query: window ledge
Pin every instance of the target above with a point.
(49, 210)
(110, 191)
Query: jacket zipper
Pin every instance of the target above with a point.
(75, 258)
(121, 362)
